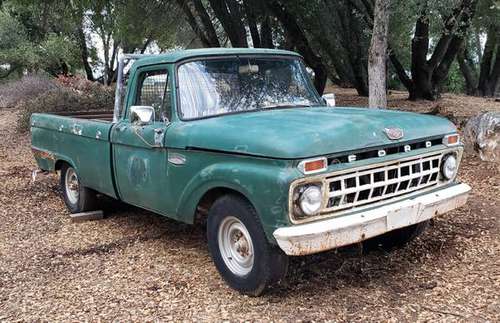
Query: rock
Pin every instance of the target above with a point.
(482, 135)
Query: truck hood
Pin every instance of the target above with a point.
(303, 132)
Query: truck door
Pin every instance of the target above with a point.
(139, 153)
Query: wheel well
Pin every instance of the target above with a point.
(59, 164)
(209, 198)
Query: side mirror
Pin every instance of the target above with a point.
(329, 99)
(142, 114)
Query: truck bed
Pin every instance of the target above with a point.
(80, 139)
(90, 115)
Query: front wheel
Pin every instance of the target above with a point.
(239, 247)
(77, 197)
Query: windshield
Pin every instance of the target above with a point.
(218, 86)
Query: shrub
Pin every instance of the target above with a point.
(72, 94)
(28, 87)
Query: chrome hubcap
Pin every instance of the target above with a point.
(235, 245)
(72, 186)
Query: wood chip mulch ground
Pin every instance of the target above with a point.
(136, 266)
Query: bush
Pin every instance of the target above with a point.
(455, 82)
(28, 87)
(72, 94)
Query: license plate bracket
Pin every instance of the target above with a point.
(404, 216)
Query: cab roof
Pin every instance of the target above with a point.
(180, 55)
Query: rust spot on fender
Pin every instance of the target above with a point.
(43, 154)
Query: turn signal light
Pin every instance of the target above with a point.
(312, 166)
(451, 140)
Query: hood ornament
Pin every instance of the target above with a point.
(394, 133)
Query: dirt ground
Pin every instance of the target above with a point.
(134, 265)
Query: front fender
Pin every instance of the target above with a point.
(264, 183)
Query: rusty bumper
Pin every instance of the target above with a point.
(336, 232)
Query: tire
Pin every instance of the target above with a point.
(76, 197)
(397, 238)
(249, 264)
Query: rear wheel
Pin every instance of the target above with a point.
(397, 238)
(239, 247)
(77, 197)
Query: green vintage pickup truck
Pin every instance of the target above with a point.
(241, 140)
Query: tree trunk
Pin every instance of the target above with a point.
(377, 56)
(229, 14)
(299, 39)
(105, 47)
(112, 70)
(203, 28)
(441, 70)
(420, 71)
(266, 33)
(345, 53)
(467, 71)
(84, 53)
(78, 17)
(355, 52)
(252, 23)
(427, 75)
(489, 74)
(237, 22)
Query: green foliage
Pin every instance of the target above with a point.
(488, 14)
(455, 82)
(12, 33)
(54, 53)
(54, 35)
(56, 49)
(338, 31)
(141, 21)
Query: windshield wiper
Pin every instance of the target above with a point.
(284, 106)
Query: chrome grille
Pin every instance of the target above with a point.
(370, 184)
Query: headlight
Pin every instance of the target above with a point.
(310, 200)
(449, 166)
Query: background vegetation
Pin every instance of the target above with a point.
(433, 46)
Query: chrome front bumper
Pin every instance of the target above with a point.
(332, 233)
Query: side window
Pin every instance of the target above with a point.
(153, 90)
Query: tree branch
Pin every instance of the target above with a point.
(441, 71)
(233, 26)
(190, 11)
(211, 34)
(447, 35)
(252, 24)
(489, 49)
(420, 41)
(295, 33)
(467, 71)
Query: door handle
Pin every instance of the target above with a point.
(159, 132)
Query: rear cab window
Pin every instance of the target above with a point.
(153, 89)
